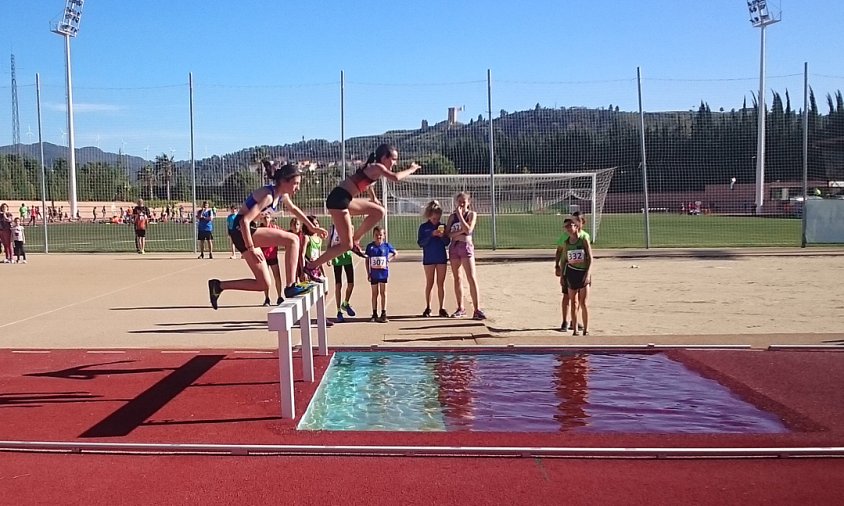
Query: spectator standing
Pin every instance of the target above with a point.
(379, 253)
(140, 215)
(433, 239)
(343, 263)
(205, 229)
(461, 254)
(6, 220)
(20, 239)
(229, 227)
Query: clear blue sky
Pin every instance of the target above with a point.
(268, 72)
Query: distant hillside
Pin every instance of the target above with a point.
(84, 155)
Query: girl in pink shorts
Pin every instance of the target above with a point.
(461, 253)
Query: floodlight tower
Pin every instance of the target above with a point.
(69, 27)
(761, 17)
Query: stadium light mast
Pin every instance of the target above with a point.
(761, 17)
(69, 27)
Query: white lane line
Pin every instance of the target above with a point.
(248, 352)
(32, 352)
(108, 294)
(180, 352)
(105, 352)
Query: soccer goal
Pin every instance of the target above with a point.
(515, 210)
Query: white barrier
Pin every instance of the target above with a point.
(281, 319)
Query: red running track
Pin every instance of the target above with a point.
(232, 398)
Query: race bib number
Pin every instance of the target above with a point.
(378, 263)
(456, 226)
(576, 256)
(335, 237)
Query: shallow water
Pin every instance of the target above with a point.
(526, 392)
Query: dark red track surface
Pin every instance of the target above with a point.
(228, 398)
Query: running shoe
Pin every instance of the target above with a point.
(575, 333)
(201, 256)
(210, 256)
(279, 301)
(340, 318)
(383, 318)
(443, 313)
(356, 249)
(564, 327)
(478, 315)
(297, 290)
(214, 291)
(374, 317)
(348, 309)
(266, 301)
(426, 313)
(460, 313)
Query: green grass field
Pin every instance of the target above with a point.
(514, 231)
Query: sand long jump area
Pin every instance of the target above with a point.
(160, 301)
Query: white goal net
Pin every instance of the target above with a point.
(515, 210)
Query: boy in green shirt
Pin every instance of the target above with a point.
(342, 263)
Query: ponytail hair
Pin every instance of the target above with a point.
(380, 152)
(432, 208)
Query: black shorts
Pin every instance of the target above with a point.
(202, 235)
(350, 273)
(339, 198)
(272, 261)
(140, 233)
(237, 237)
(575, 278)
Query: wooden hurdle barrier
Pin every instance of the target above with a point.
(281, 319)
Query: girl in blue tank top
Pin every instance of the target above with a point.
(249, 239)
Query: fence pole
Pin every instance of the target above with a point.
(43, 170)
(342, 138)
(192, 164)
(646, 209)
(805, 153)
(491, 157)
(343, 122)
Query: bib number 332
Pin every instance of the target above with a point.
(576, 256)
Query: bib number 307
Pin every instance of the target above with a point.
(377, 262)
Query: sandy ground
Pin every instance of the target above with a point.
(133, 301)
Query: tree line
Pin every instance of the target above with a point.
(685, 151)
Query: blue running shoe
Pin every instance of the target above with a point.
(339, 318)
(348, 309)
(297, 290)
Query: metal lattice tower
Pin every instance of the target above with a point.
(16, 121)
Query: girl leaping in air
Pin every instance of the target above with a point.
(342, 205)
(249, 239)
